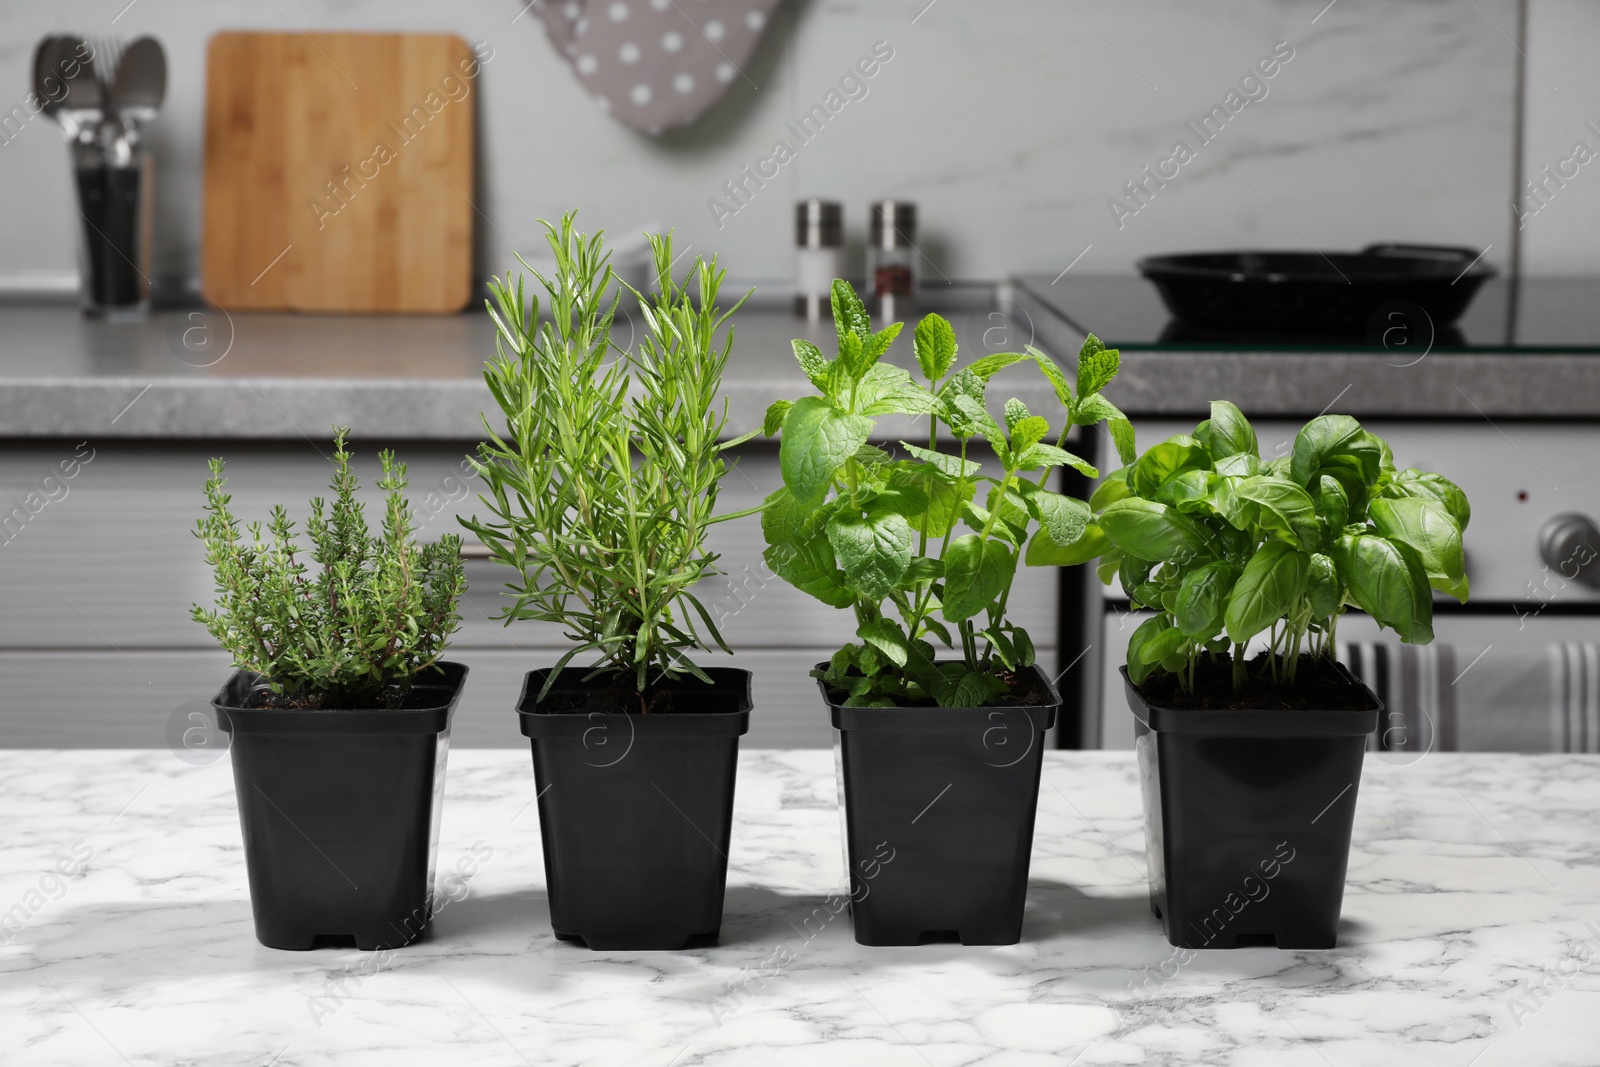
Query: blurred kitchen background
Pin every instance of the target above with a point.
(1009, 123)
(1013, 127)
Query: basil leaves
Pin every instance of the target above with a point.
(1225, 547)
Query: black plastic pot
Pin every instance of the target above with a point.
(939, 806)
(340, 813)
(635, 809)
(1247, 820)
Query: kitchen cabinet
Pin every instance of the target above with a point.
(98, 649)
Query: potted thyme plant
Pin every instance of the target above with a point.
(339, 709)
(941, 753)
(1250, 766)
(599, 493)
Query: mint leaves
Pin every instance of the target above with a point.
(898, 535)
(817, 440)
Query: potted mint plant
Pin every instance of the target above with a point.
(339, 710)
(1251, 766)
(599, 492)
(940, 706)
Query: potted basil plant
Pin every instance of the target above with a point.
(599, 492)
(940, 705)
(1250, 766)
(339, 710)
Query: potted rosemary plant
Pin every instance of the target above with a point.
(1250, 766)
(941, 753)
(340, 707)
(599, 493)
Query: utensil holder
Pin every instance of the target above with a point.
(115, 181)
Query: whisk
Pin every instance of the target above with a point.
(105, 55)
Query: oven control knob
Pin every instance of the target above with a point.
(1570, 545)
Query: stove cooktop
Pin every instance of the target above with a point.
(1540, 315)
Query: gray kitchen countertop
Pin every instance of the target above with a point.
(203, 374)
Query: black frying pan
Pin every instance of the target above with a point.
(1307, 292)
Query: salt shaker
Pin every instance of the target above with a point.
(819, 254)
(892, 259)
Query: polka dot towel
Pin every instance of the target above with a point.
(655, 64)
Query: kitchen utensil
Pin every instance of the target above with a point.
(141, 81)
(111, 167)
(115, 179)
(52, 61)
(319, 196)
(79, 108)
(47, 84)
(107, 53)
(1309, 292)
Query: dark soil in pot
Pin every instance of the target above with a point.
(1319, 685)
(636, 808)
(616, 695)
(391, 698)
(1028, 690)
(339, 808)
(939, 810)
(1249, 803)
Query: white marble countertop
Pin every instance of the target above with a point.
(1474, 880)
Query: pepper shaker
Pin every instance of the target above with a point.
(819, 255)
(892, 259)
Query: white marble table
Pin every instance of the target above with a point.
(1472, 880)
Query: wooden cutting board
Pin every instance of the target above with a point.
(338, 172)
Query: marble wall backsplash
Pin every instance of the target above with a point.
(1558, 206)
(1012, 125)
